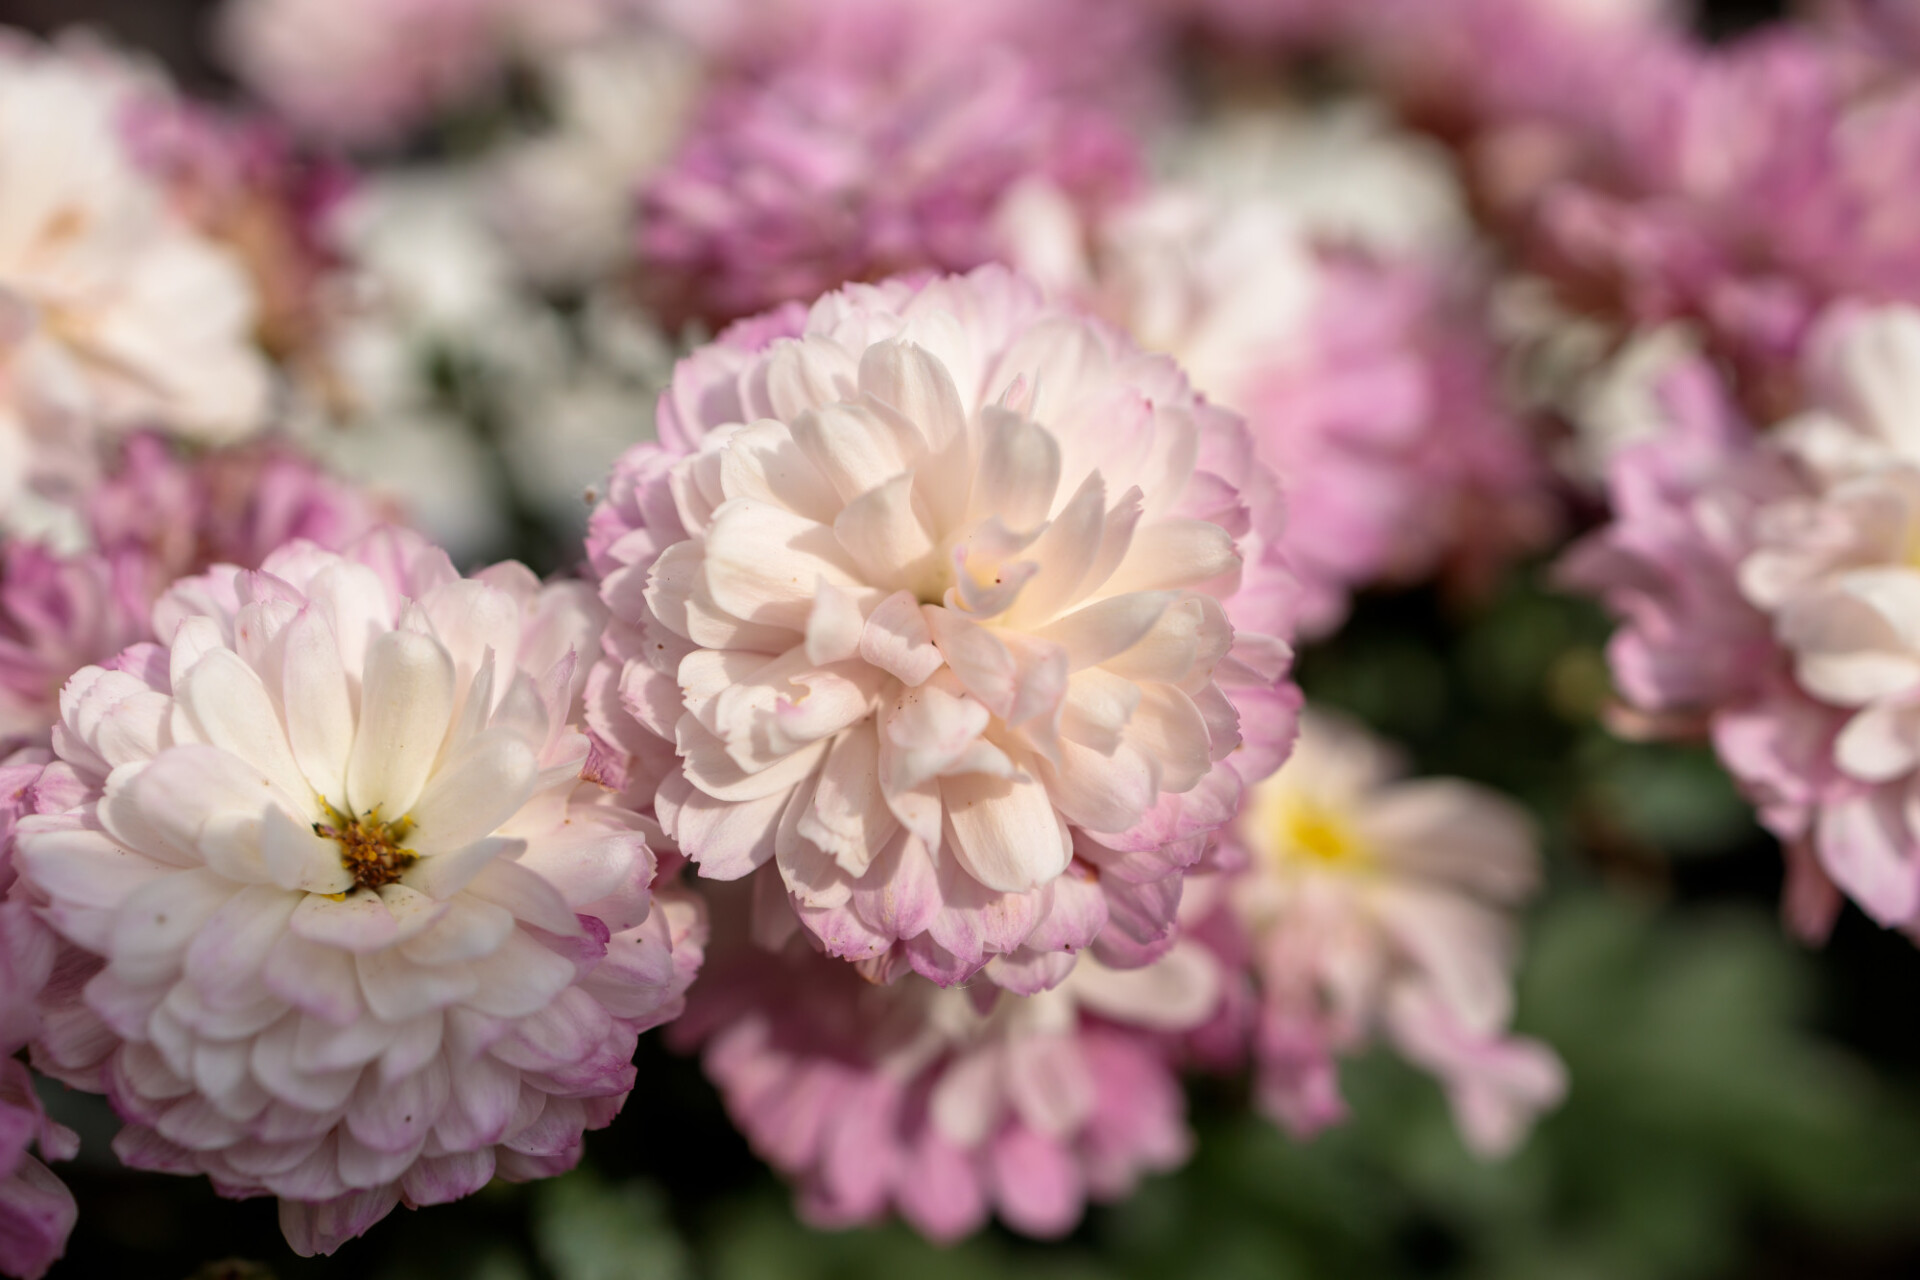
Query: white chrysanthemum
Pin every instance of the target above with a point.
(933, 599)
(1379, 906)
(113, 311)
(350, 929)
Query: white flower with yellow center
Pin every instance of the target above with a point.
(1378, 906)
(346, 926)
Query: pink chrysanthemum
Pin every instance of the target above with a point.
(154, 518)
(1378, 908)
(821, 175)
(1368, 381)
(1112, 55)
(955, 607)
(947, 1105)
(343, 924)
(37, 1211)
(367, 71)
(175, 516)
(1768, 594)
(1741, 187)
(57, 614)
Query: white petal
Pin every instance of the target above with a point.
(762, 563)
(857, 447)
(1005, 831)
(297, 858)
(1102, 631)
(318, 697)
(834, 626)
(1019, 470)
(897, 640)
(471, 795)
(359, 922)
(882, 531)
(406, 699)
(1174, 553)
(442, 874)
(233, 711)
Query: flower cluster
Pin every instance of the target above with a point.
(974, 404)
(944, 1105)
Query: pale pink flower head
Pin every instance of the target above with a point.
(1769, 593)
(1744, 188)
(58, 614)
(114, 311)
(364, 72)
(820, 175)
(1368, 380)
(948, 607)
(37, 1211)
(344, 926)
(1377, 908)
(1113, 55)
(947, 1105)
(179, 516)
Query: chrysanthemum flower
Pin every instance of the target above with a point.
(174, 516)
(1378, 908)
(1769, 594)
(113, 311)
(942, 1105)
(37, 1211)
(364, 72)
(58, 614)
(822, 174)
(1368, 380)
(152, 518)
(1742, 188)
(955, 606)
(344, 925)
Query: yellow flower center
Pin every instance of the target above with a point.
(1309, 831)
(370, 848)
(1292, 829)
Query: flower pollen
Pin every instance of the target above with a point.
(369, 847)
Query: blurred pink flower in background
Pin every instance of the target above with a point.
(343, 925)
(820, 175)
(1089, 51)
(58, 614)
(177, 515)
(1767, 587)
(1368, 379)
(1741, 187)
(1378, 908)
(365, 72)
(948, 607)
(948, 1105)
(37, 1212)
